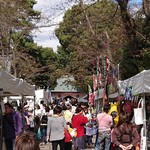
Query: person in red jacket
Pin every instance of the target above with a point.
(78, 122)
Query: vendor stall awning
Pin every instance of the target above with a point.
(140, 83)
(15, 86)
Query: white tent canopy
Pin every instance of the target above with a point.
(26, 89)
(140, 83)
(15, 86)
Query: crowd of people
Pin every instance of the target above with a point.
(69, 126)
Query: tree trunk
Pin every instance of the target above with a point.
(146, 8)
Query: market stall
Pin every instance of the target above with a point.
(15, 86)
(139, 85)
(12, 86)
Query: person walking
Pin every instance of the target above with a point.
(55, 129)
(68, 138)
(105, 122)
(78, 122)
(89, 134)
(11, 125)
(37, 129)
(43, 125)
(125, 135)
(68, 114)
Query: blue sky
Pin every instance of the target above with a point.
(54, 10)
(136, 1)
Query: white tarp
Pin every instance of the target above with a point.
(140, 83)
(14, 86)
(26, 89)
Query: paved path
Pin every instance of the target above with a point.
(48, 147)
(45, 147)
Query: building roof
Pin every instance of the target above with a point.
(64, 86)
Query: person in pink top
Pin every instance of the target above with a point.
(78, 121)
(105, 122)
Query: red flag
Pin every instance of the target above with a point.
(94, 82)
(107, 64)
(91, 96)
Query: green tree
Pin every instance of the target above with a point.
(137, 31)
(16, 24)
(36, 64)
(33, 63)
(88, 32)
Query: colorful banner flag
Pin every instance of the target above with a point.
(49, 96)
(91, 95)
(107, 64)
(94, 82)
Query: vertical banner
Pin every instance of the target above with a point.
(49, 96)
(94, 82)
(99, 76)
(91, 98)
(107, 64)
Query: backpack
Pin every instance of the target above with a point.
(44, 119)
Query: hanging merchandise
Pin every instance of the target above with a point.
(138, 113)
(113, 107)
(114, 110)
(143, 140)
(128, 93)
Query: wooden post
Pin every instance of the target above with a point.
(1, 117)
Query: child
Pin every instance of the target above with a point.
(68, 138)
(89, 133)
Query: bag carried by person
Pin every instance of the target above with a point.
(38, 134)
(44, 119)
(73, 132)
